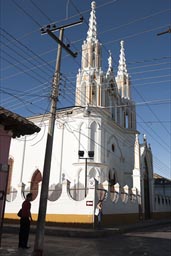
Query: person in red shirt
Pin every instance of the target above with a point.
(25, 222)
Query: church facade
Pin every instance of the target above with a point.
(96, 150)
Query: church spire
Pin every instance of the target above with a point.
(90, 75)
(92, 31)
(123, 79)
(122, 70)
(110, 64)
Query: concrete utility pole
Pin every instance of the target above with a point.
(39, 239)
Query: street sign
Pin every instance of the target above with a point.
(89, 203)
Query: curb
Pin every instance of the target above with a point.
(88, 233)
(67, 232)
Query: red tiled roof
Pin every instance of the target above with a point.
(16, 123)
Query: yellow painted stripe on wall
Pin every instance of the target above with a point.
(89, 219)
(72, 218)
(60, 218)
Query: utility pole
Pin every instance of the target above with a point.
(39, 239)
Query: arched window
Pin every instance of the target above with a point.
(36, 178)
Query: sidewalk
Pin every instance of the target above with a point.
(72, 233)
(87, 232)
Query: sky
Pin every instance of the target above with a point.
(27, 59)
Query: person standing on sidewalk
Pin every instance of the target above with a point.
(25, 222)
(99, 213)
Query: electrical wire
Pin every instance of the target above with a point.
(29, 50)
(41, 11)
(26, 13)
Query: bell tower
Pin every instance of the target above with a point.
(102, 89)
(90, 75)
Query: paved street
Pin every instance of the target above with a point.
(150, 241)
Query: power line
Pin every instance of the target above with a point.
(134, 35)
(135, 21)
(26, 13)
(29, 50)
(152, 111)
(165, 146)
(41, 11)
(35, 78)
(21, 63)
(148, 60)
(23, 102)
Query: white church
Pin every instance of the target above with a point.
(96, 151)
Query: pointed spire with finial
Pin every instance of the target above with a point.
(92, 31)
(110, 64)
(122, 70)
(145, 139)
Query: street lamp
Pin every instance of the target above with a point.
(81, 156)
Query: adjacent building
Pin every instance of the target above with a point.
(11, 126)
